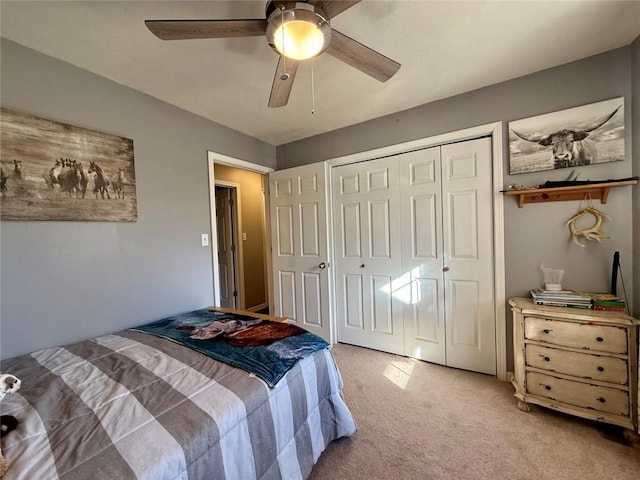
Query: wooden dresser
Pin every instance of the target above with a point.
(577, 361)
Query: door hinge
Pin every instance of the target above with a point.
(235, 293)
(233, 248)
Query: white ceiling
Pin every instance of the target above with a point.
(445, 48)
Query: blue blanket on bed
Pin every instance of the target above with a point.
(264, 348)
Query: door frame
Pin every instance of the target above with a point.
(236, 221)
(496, 131)
(212, 159)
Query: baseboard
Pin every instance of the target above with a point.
(257, 308)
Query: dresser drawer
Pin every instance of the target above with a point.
(584, 395)
(584, 365)
(602, 338)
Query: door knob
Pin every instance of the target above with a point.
(445, 269)
(362, 265)
(322, 266)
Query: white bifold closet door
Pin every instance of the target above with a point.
(367, 253)
(433, 293)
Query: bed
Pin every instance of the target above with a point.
(141, 405)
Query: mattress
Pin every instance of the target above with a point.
(132, 405)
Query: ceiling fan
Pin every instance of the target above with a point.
(296, 31)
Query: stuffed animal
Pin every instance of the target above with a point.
(7, 424)
(8, 384)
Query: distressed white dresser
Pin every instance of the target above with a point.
(577, 361)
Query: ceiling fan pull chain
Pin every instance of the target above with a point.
(284, 57)
(313, 91)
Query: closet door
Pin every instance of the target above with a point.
(414, 254)
(467, 214)
(447, 255)
(367, 252)
(422, 255)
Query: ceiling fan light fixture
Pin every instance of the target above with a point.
(298, 33)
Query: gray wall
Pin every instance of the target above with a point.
(635, 82)
(537, 233)
(65, 281)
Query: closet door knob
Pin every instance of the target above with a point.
(445, 269)
(322, 266)
(362, 265)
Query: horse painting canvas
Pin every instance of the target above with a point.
(586, 135)
(56, 171)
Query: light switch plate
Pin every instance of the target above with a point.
(205, 239)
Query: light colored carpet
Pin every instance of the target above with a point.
(418, 420)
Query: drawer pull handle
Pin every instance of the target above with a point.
(601, 369)
(547, 359)
(602, 400)
(546, 330)
(600, 339)
(547, 387)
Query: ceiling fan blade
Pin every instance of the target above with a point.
(189, 29)
(282, 82)
(333, 8)
(361, 57)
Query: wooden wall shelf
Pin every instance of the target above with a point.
(595, 191)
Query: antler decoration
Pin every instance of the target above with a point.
(593, 232)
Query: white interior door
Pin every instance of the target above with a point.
(468, 255)
(224, 224)
(367, 252)
(299, 247)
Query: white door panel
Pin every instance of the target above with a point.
(352, 302)
(285, 294)
(284, 230)
(309, 226)
(425, 311)
(468, 256)
(422, 258)
(381, 302)
(311, 298)
(299, 240)
(462, 225)
(351, 231)
(367, 246)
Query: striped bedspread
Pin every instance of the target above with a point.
(137, 406)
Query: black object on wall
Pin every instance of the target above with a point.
(614, 273)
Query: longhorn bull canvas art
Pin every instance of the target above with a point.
(55, 171)
(579, 136)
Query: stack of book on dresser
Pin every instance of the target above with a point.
(561, 298)
(607, 302)
(570, 298)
